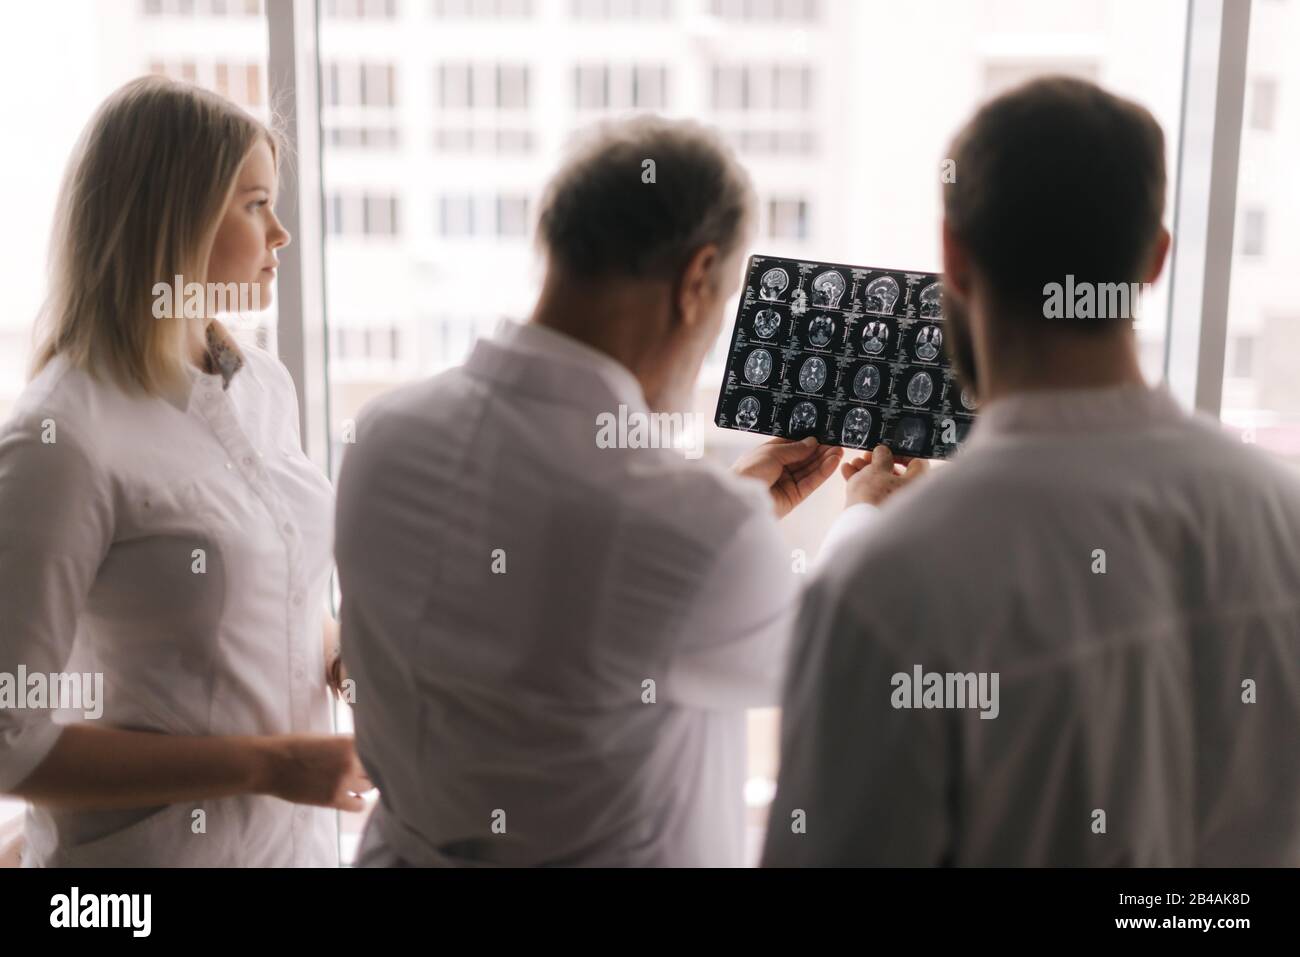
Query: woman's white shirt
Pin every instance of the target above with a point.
(180, 547)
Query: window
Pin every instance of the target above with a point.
(362, 343)
(787, 219)
(361, 214)
(1003, 75)
(361, 9)
(620, 9)
(1261, 393)
(840, 177)
(1263, 102)
(360, 83)
(767, 86)
(482, 9)
(761, 10)
(463, 215)
(457, 217)
(1254, 223)
(769, 142)
(192, 8)
(1243, 357)
(503, 141)
(241, 82)
(483, 86)
(363, 137)
(512, 87)
(512, 215)
(620, 87)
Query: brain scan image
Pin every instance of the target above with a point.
(803, 418)
(827, 289)
(852, 355)
(813, 375)
(766, 322)
(911, 435)
(820, 331)
(773, 283)
(919, 388)
(881, 295)
(798, 303)
(875, 337)
(758, 366)
(857, 423)
(931, 301)
(866, 383)
(928, 341)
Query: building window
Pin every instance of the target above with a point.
(776, 10)
(1253, 228)
(601, 86)
(358, 342)
(1243, 357)
(453, 139)
(462, 215)
(591, 87)
(240, 82)
(456, 216)
(621, 9)
(206, 8)
(512, 87)
(361, 9)
(512, 216)
(649, 87)
(787, 219)
(767, 86)
(1263, 102)
(767, 142)
(362, 214)
(1003, 75)
(363, 137)
(360, 84)
(483, 86)
(482, 9)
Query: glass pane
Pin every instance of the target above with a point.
(842, 110)
(1261, 393)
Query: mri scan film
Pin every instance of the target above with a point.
(867, 342)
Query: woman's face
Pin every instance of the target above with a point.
(249, 234)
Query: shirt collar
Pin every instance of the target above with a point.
(530, 337)
(1064, 411)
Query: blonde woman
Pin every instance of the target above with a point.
(159, 524)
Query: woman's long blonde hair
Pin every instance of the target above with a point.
(140, 204)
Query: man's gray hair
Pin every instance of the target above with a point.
(608, 212)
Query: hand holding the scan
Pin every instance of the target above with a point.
(874, 476)
(791, 470)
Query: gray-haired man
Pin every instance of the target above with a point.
(554, 642)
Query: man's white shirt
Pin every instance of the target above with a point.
(1130, 574)
(554, 643)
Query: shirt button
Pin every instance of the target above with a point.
(297, 598)
(288, 528)
(248, 460)
(298, 673)
(230, 465)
